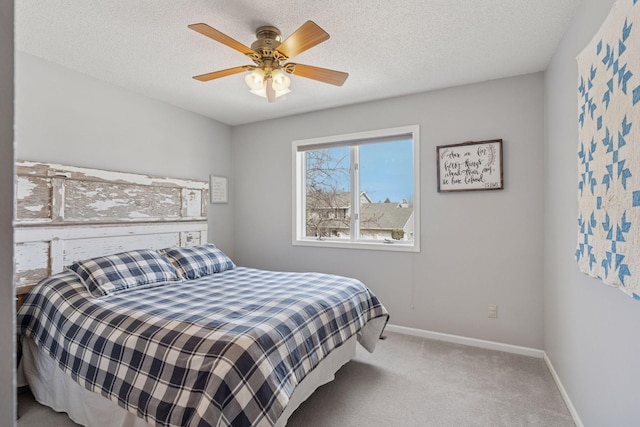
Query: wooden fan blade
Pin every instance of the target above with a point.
(206, 30)
(316, 73)
(221, 73)
(305, 37)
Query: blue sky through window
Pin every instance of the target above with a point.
(386, 170)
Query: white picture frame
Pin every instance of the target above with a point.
(218, 189)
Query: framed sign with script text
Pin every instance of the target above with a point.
(475, 165)
(218, 189)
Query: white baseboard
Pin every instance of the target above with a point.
(563, 392)
(473, 342)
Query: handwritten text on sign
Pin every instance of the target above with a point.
(470, 166)
(218, 189)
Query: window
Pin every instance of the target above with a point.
(358, 190)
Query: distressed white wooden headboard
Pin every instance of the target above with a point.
(67, 213)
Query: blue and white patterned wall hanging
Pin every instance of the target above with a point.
(609, 151)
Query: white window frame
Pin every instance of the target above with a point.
(299, 208)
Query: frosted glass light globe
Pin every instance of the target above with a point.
(281, 81)
(255, 80)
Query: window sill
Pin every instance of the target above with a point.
(376, 246)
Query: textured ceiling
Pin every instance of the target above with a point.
(388, 47)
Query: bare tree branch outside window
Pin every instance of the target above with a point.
(328, 195)
(328, 200)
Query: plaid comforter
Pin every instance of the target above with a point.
(223, 350)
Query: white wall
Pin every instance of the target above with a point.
(7, 313)
(590, 330)
(479, 248)
(63, 116)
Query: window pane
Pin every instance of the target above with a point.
(328, 193)
(386, 191)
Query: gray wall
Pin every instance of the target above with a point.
(7, 313)
(478, 248)
(590, 329)
(63, 116)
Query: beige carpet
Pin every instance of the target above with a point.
(413, 381)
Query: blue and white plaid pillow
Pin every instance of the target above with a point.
(197, 261)
(110, 274)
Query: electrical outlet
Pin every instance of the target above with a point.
(493, 311)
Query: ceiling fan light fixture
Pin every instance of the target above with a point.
(255, 80)
(278, 80)
(281, 81)
(262, 92)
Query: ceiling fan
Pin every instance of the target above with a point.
(268, 78)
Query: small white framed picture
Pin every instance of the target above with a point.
(218, 189)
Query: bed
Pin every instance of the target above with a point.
(180, 335)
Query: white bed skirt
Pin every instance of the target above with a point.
(54, 388)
